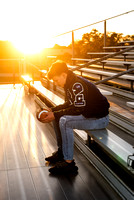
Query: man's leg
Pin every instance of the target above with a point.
(58, 155)
(67, 123)
(58, 134)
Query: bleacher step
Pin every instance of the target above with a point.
(130, 104)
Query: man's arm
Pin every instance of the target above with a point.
(76, 106)
(71, 110)
(60, 107)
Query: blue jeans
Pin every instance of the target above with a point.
(64, 130)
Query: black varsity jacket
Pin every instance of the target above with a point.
(82, 97)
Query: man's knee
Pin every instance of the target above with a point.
(62, 121)
(65, 121)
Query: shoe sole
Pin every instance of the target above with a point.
(53, 162)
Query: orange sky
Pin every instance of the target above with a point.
(30, 24)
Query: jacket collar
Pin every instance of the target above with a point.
(70, 77)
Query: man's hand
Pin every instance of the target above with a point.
(49, 116)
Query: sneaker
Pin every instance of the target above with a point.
(56, 157)
(63, 167)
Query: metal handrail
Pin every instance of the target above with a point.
(35, 66)
(104, 20)
(103, 58)
(94, 23)
(114, 76)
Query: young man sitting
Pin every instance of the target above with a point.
(85, 108)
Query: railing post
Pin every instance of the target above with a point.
(54, 86)
(24, 65)
(13, 74)
(73, 46)
(105, 35)
(20, 68)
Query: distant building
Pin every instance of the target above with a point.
(57, 51)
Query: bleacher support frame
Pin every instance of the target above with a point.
(103, 58)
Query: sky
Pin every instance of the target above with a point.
(32, 24)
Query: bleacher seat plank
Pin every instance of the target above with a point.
(105, 92)
(51, 56)
(117, 62)
(100, 72)
(130, 104)
(124, 56)
(26, 78)
(115, 146)
(118, 47)
(47, 93)
(105, 53)
(127, 41)
(106, 73)
(99, 53)
(82, 59)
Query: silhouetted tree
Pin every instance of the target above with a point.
(94, 42)
(113, 39)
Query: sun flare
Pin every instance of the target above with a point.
(28, 47)
(32, 46)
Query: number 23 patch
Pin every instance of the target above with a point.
(79, 96)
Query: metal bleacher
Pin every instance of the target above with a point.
(112, 144)
(26, 142)
(110, 66)
(105, 158)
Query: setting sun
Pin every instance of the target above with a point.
(29, 27)
(32, 39)
(27, 47)
(31, 46)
